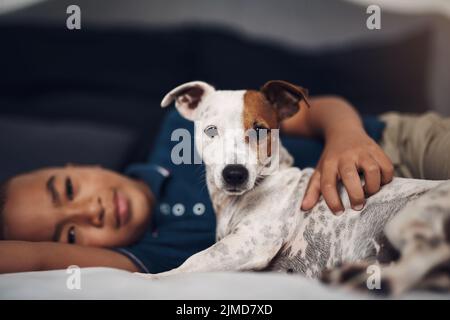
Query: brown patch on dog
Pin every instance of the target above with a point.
(259, 112)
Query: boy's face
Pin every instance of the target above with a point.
(76, 204)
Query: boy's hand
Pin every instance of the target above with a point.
(345, 155)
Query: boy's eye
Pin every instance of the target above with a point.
(211, 131)
(69, 189)
(71, 236)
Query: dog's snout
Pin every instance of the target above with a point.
(235, 174)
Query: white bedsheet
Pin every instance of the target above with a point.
(106, 283)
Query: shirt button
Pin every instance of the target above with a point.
(178, 209)
(164, 208)
(199, 209)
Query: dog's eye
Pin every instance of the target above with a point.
(211, 131)
(258, 127)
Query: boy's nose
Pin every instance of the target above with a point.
(235, 174)
(90, 211)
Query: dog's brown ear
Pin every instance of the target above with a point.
(187, 97)
(285, 97)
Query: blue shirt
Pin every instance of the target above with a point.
(183, 221)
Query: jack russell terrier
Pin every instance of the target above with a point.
(404, 229)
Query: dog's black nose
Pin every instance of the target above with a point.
(235, 174)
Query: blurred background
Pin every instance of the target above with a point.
(92, 95)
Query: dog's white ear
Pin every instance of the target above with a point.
(285, 97)
(187, 97)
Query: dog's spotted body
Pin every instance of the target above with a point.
(260, 225)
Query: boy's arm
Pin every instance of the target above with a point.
(21, 256)
(348, 151)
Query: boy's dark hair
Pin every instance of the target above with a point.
(3, 191)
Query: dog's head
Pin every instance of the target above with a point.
(234, 130)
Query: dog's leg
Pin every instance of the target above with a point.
(245, 249)
(421, 233)
(410, 271)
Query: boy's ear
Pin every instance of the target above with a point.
(188, 97)
(285, 97)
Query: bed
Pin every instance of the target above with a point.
(106, 283)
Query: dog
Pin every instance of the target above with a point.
(404, 229)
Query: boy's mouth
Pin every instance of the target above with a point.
(122, 208)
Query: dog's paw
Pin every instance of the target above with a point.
(358, 276)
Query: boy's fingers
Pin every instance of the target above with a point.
(312, 192)
(352, 182)
(328, 186)
(372, 175)
(387, 168)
